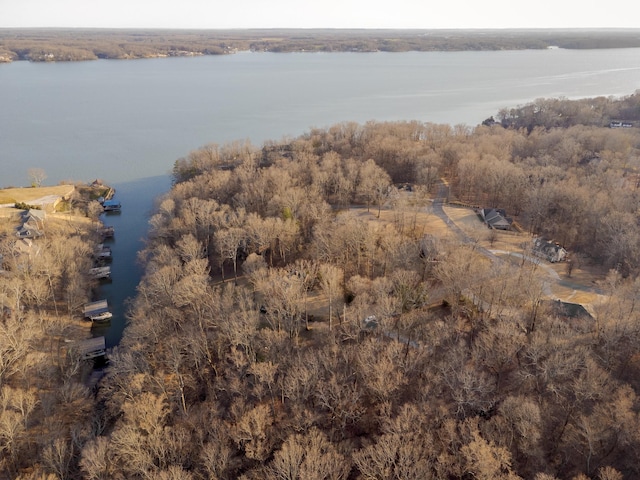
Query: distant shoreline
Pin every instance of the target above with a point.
(57, 44)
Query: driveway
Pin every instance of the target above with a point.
(438, 210)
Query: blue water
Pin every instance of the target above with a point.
(127, 121)
(121, 120)
(130, 226)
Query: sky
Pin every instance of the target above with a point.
(215, 14)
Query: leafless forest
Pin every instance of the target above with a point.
(46, 409)
(46, 45)
(298, 319)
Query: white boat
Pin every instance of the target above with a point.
(97, 311)
(101, 317)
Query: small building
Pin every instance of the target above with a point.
(34, 215)
(495, 218)
(620, 124)
(100, 272)
(107, 232)
(111, 206)
(25, 246)
(550, 251)
(91, 348)
(569, 310)
(97, 311)
(102, 252)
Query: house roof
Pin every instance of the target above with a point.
(495, 217)
(26, 246)
(92, 347)
(28, 231)
(569, 310)
(33, 213)
(95, 308)
(546, 246)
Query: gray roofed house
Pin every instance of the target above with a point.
(94, 308)
(32, 224)
(495, 218)
(36, 214)
(100, 272)
(550, 251)
(97, 311)
(28, 230)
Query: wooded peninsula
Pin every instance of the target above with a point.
(46, 45)
(365, 301)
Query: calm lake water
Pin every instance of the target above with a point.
(126, 122)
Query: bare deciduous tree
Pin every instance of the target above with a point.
(330, 280)
(36, 176)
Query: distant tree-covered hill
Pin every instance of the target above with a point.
(89, 44)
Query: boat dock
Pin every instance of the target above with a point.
(97, 311)
(92, 348)
(100, 273)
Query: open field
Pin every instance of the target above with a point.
(34, 196)
(425, 222)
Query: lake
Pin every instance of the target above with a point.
(122, 120)
(127, 121)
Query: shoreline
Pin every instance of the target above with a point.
(81, 44)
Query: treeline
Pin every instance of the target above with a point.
(88, 44)
(560, 112)
(403, 375)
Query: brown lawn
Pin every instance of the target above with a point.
(28, 194)
(421, 217)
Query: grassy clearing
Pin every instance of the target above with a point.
(424, 221)
(29, 194)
